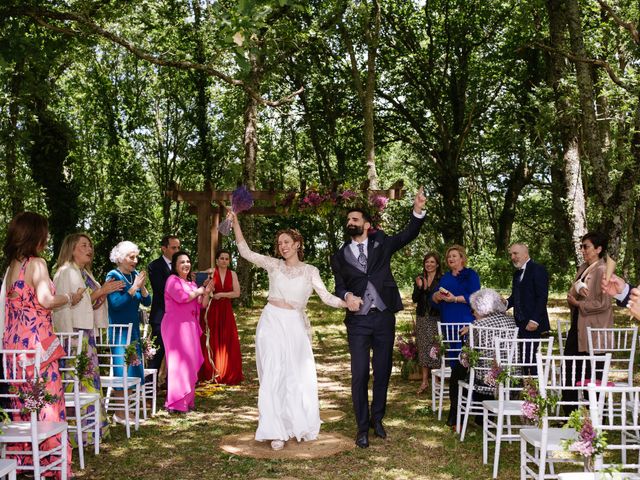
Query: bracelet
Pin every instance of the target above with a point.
(455, 299)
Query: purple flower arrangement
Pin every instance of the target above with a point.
(535, 406)
(438, 350)
(589, 442)
(34, 395)
(469, 357)
(131, 355)
(149, 348)
(498, 376)
(84, 366)
(408, 351)
(241, 201)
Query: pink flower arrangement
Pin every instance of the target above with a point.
(149, 348)
(536, 407)
(34, 395)
(131, 355)
(379, 202)
(589, 442)
(407, 348)
(438, 350)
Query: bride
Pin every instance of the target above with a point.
(288, 395)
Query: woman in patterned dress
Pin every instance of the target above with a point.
(74, 272)
(30, 297)
(427, 315)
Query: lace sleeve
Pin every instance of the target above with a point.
(321, 290)
(263, 261)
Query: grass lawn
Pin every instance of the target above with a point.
(186, 447)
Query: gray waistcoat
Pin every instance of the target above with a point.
(371, 296)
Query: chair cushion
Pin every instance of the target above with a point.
(510, 408)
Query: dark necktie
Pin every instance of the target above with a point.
(519, 273)
(362, 258)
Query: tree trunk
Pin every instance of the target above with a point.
(451, 215)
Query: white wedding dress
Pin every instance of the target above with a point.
(288, 395)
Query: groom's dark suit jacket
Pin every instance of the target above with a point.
(380, 248)
(529, 297)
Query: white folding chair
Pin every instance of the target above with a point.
(8, 468)
(623, 431)
(450, 333)
(518, 358)
(149, 389)
(33, 432)
(562, 330)
(481, 339)
(79, 416)
(557, 374)
(111, 343)
(621, 344)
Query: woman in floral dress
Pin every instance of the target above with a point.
(30, 297)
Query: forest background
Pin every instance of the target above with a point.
(520, 117)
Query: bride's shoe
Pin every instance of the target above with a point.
(277, 444)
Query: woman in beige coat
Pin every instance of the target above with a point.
(73, 275)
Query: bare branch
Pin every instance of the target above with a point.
(38, 16)
(616, 18)
(593, 61)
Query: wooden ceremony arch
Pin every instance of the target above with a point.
(209, 206)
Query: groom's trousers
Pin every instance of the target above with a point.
(365, 333)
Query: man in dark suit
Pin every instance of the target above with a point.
(159, 271)
(529, 294)
(362, 270)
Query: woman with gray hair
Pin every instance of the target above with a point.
(489, 311)
(125, 303)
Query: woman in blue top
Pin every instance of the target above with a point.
(124, 303)
(456, 286)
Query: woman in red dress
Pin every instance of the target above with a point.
(220, 343)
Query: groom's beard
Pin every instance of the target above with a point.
(354, 230)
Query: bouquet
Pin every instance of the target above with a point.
(438, 350)
(131, 354)
(408, 355)
(34, 395)
(469, 357)
(84, 367)
(589, 443)
(241, 201)
(149, 348)
(499, 376)
(535, 407)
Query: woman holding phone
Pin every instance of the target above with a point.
(456, 286)
(220, 342)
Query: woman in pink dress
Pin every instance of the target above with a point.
(30, 298)
(181, 333)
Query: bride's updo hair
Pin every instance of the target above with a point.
(295, 235)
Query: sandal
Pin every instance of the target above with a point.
(423, 388)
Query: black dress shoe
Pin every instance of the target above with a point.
(378, 429)
(362, 439)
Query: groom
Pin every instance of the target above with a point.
(362, 270)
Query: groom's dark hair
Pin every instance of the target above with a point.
(366, 216)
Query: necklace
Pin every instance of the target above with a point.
(125, 276)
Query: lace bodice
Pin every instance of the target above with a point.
(293, 285)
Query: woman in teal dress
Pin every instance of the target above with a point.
(125, 303)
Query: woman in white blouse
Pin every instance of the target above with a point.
(73, 275)
(288, 396)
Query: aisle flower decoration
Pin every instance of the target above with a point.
(499, 375)
(408, 355)
(33, 395)
(439, 349)
(536, 407)
(149, 347)
(84, 366)
(131, 355)
(241, 201)
(589, 443)
(469, 357)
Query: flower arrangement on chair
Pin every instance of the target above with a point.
(469, 357)
(408, 355)
(536, 407)
(131, 354)
(149, 347)
(589, 442)
(499, 375)
(34, 395)
(84, 366)
(438, 350)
